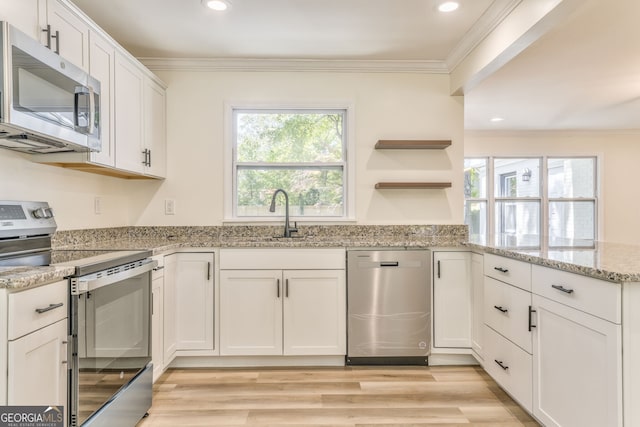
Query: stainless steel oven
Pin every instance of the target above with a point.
(109, 371)
(110, 324)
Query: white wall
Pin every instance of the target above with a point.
(619, 154)
(70, 193)
(387, 106)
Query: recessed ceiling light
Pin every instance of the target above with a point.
(448, 6)
(218, 5)
(496, 119)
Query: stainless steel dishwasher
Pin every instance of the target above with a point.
(389, 307)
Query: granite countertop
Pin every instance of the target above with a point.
(607, 261)
(614, 262)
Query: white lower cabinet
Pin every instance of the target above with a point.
(37, 363)
(194, 300)
(477, 305)
(553, 341)
(36, 332)
(276, 312)
(169, 325)
(577, 367)
(157, 318)
(509, 365)
(452, 299)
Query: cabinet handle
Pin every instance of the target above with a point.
(64, 362)
(158, 268)
(278, 287)
(501, 270)
(500, 309)
(57, 37)
(562, 289)
(438, 269)
(51, 307)
(286, 288)
(48, 31)
(208, 271)
(501, 364)
(531, 325)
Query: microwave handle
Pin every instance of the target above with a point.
(80, 90)
(92, 111)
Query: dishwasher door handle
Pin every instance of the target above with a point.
(389, 263)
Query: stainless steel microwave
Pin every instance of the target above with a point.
(47, 104)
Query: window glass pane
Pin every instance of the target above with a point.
(284, 137)
(475, 216)
(517, 223)
(312, 191)
(517, 177)
(571, 178)
(475, 178)
(571, 223)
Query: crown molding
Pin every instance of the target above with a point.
(266, 65)
(489, 20)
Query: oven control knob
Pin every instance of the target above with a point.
(43, 213)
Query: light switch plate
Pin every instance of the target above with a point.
(169, 207)
(97, 205)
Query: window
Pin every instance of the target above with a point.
(303, 152)
(514, 208)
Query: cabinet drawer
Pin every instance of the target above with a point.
(516, 273)
(36, 308)
(593, 296)
(506, 309)
(509, 366)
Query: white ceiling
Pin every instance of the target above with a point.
(584, 73)
(287, 29)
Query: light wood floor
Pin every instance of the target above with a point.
(343, 396)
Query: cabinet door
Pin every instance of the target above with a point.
(21, 14)
(128, 88)
(72, 40)
(157, 329)
(194, 301)
(477, 303)
(577, 367)
(102, 67)
(169, 338)
(452, 299)
(155, 129)
(314, 312)
(251, 312)
(37, 363)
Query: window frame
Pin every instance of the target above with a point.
(492, 199)
(231, 164)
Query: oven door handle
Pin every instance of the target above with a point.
(91, 282)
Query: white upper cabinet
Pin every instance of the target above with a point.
(22, 14)
(155, 139)
(129, 84)
(102, 67)
(65, 32)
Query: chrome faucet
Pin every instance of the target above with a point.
(287, 229)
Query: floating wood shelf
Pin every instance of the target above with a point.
(403, 144)
(411, 185)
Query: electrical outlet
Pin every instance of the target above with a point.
(97, 205)
(169, 207)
